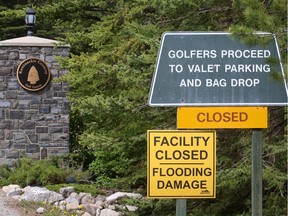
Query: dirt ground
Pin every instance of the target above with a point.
(11, 207)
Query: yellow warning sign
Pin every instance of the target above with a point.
(181, 164)
(221, 117)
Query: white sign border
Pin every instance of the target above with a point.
(212, 104)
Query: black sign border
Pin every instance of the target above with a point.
(46, 67)
(211, 196)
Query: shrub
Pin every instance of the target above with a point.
(41, 173)
(86, 188)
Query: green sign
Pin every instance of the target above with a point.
(214, 69)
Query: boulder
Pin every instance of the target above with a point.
(73, 199)
(40, 210)
(112, 198)
(14, 191)
(72, 206)
(38, 194)
(66, 191)
(131, 208)
(16, 197)
(62, 205)
(88, 199)
(109, 212)
(82, 194)
(90, 209)
(11, 187)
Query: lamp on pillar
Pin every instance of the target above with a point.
(30, 19)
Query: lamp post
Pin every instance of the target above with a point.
(30, 19)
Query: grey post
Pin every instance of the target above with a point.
(181, 207)
(256, 172)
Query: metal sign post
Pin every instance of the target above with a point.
(257, 172)
(181, 207)
(231, 80)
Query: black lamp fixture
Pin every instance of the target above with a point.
(30, 19)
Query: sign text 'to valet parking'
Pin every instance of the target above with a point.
(220, 77)
(213, 69)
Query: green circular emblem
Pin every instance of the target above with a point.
(33, 74)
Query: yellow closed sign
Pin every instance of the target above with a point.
(181, 164)
(221, 117)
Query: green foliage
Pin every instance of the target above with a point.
(114, 45)
(50, 210)
(85, 188)
(35, 173)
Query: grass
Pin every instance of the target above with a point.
(29, 208)
(85, 188)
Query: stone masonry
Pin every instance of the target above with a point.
(32, 124)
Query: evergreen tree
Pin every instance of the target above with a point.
(114, 48)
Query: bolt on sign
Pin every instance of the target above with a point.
(221, 117)
(214, 69)
(181, 164)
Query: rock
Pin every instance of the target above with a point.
(5, 189)
(112, 207)
(38, 194)
(131, 208)
(98, 212)
(112, 198)
(14, 191)
(96, 206)
(99, 203)
(81, 195)
(72, 206)
(11, 187)
(109, 212)
(66, 191)
(16, 197)
(62, 205)
(90, 206)
(87, 199)
(100, 198)
(90, 209)
(79, 212)
(71, 179)
(40, 210)
(73, 199)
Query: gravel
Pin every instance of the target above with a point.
(6, 206)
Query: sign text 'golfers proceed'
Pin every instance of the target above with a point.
(214, 69)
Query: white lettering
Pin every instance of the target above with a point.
(245, 53)
(252, 68)
(192, 54)
(215, 82)
(244, 82)
(204, 68)
(190, 83)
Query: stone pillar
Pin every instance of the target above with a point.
(33, 124)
